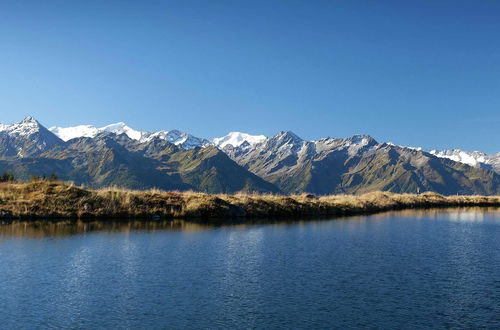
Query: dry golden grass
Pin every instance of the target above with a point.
(44, 199)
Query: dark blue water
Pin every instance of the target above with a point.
(401, 270)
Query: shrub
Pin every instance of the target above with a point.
(7, 177)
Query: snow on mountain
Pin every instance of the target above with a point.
(236, 139)
(68, 133)
(183, 139)
(284, 142)
(472, 158)
(407, 147)
(353, 144)
(26, 127)
(122, 128)
(26, 138)
(176, 137)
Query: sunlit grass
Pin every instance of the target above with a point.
(44, 199)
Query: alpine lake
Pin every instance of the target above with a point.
(418, 269)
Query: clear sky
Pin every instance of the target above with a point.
(419, 73)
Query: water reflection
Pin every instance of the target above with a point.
(43, 228)
(40, 229)
(462, 214)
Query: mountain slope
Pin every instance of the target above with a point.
(211, 170)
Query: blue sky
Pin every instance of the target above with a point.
(421, 73)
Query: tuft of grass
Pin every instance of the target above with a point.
(55, 199)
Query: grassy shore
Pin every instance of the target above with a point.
(51, 200)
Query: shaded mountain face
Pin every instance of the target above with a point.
(356, 165)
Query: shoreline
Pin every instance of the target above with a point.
(46, 200)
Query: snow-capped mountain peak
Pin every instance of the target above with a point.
(472, 158)
(362, 140)
(288, 138)
(285, 141)
(29, 119)
(26, 138)
(27, 126)
(236, 139)
(122, 128)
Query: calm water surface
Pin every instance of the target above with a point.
(433, 269)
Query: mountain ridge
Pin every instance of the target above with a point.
(117, 154)
(235, 139)
(176, 137)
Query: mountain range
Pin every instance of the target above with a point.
(118, 155)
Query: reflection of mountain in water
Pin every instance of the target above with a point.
(41, 229)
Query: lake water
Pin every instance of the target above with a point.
(420, 269)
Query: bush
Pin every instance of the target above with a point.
(7, 177)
